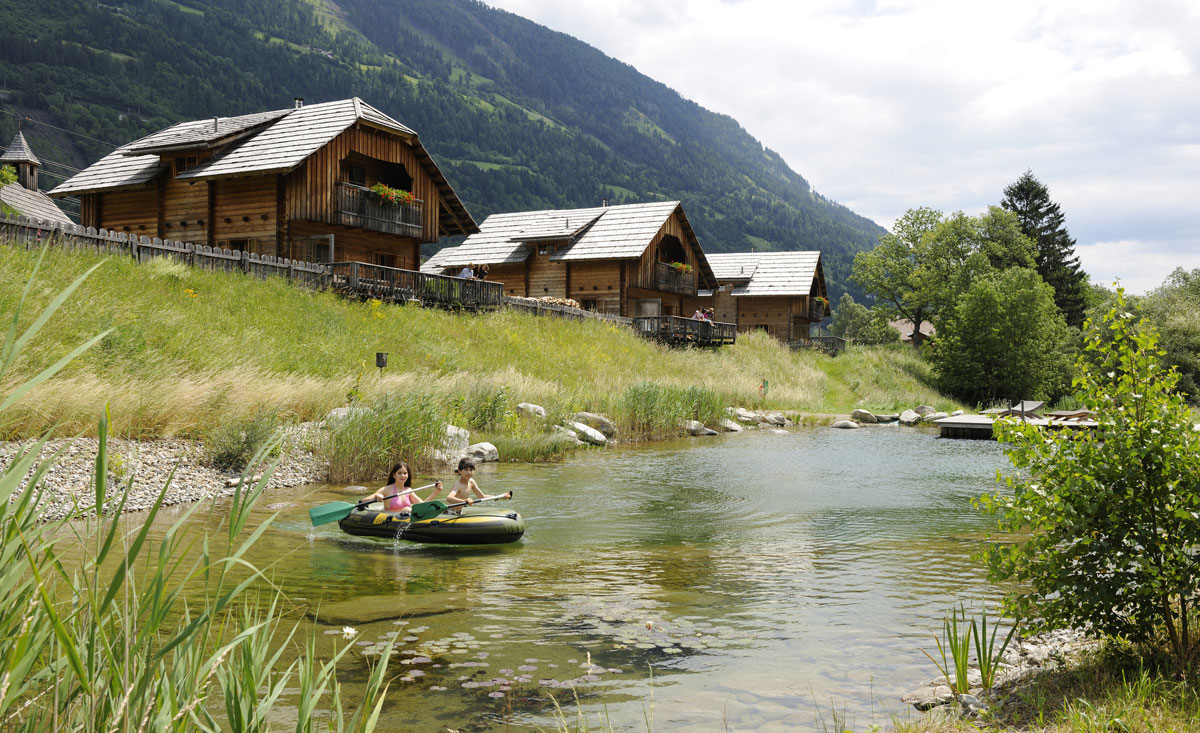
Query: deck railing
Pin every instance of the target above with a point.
(360, 207)
(677, 330)
(815, 310)
(397, 285)
(669, 280)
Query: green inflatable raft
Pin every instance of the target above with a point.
(490, 528)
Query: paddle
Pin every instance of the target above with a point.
(335, 510)
(430, 509)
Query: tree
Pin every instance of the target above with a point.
(1042, 221)
(8, 175)
(1108, 518)
(1004, 341)
(918, 271)
(1174, 309)
(861, 325)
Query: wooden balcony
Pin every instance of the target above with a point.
(814, 309)
(393, 284)
(831, 345)
(679, 331)
(666, 279)
(360, 207)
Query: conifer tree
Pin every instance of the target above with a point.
(1042, 221)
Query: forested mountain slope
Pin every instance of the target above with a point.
(517, 115)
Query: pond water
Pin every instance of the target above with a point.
(751, 581)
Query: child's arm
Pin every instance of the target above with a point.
(437, 489)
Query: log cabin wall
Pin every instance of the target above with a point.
(311, 194)
(511, 276)
(357, 245)
(546, 279)
(596, 285)
(243, 211)
(772, 313)
(134, 211)
(184, 208)
(672, 227)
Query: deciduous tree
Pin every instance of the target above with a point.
(860, 324)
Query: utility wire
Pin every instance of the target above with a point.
(55, 127)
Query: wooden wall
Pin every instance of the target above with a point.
(672, 227)
(184, 207)
(310, 193)
(597, 283)
(512, 277)
(359, 245)
(134, 211)
(546, 279)
(244, 208)
(773, 313)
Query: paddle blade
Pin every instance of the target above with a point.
(331, 512)
(426, 510)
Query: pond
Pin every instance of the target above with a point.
(743, 582)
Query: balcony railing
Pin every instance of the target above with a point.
(815, 310)
(668, 280)
(831, 345)
(393, 284)
(677, 330)
(360, 207)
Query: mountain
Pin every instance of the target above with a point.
(518, 116)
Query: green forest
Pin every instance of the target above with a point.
(518, 116)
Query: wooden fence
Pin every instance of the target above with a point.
(677, 330)
(396, 285)
(542, 308)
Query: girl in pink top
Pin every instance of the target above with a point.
(399, 481)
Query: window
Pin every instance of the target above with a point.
(242, 245)
(184, 162)
(385, 259)
(589, 305)
(356, 174)
(547, 249)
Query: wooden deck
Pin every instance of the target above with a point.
(394, 285)
(678, 331)
(979, 427)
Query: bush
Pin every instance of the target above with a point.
(234, 441)
(366, 445)
(1109, 519)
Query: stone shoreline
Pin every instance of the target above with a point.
(148, 465)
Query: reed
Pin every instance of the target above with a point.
(956, 667)
(87, 645)
(986, 653)
(381, 432)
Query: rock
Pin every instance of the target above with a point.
(695, 427)
(936, 416)
(775, 418)
(863, 416)
(568, 433)
(454, 445)
(483, 453)
(924, 410)
(339, 416)
(597, 422)
(236, 480)
(741, 413)
(779, 431)
(956, 413)
(845, 425)
(887, 418)
(730, 426)
(360, 490)
(971, 705)
(908, 417)
(587, 434)
(928, 697)
(533, 410)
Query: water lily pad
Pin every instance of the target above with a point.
(495, 694)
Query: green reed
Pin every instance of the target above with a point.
(382, 431)
(986, 653)
(86, 644)
(958, 643)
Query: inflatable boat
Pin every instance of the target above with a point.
(492, 528)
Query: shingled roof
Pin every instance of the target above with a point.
(34, 204)
(601, 233)
(265, 142)
(19, 152)
(768, 273)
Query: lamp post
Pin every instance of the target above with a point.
(381, 361)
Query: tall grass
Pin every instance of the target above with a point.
(94, 648)
(380, 433)
(646, 411)
(175, 364)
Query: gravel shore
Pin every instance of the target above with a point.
(148, 464)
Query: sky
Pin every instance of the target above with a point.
(889, 105)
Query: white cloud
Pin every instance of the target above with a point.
(891, 104)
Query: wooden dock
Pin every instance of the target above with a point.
(979, 427)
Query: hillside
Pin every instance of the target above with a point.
(518, 116)
(190, 349)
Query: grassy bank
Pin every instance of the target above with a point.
(190, 349)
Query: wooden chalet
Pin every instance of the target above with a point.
(782, 293)
(630, 260)
(289, 183)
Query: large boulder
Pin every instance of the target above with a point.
(741, 413)
(775, 418)
(587, 433)
(845, 425)
(730, 426)
(863, 416)
(568, 434)
(936, 416)
(695, 427)
(483, 453)
(887, 418)
(597, 422)
(924, 410)
(956, 413)
(908, 417)
(454, 445)
(532, 410)
(929, 696)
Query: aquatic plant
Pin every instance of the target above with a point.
(958, 644)
(986, 653)
(385, 430)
